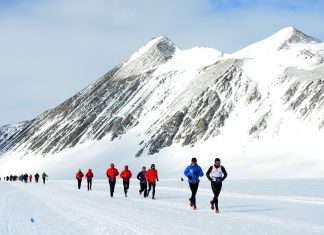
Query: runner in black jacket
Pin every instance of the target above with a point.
(143, 181)
(216, 174)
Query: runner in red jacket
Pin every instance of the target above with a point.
(30, 178)
(79, 176)
(126, 175)
(89, 177)
(112, 173)
(152, 177)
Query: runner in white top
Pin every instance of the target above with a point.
(216, 174)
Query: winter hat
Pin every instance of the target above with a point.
(194, 159)
(89, 170)
(144, 168)
(217, 159)
(126, 167)
(153, 166)
(112, 165)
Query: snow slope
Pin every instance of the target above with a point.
(247, 207)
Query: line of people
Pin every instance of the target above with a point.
(25, 178)
(216, 174)
(147, 179)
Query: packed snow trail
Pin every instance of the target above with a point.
(60, 208)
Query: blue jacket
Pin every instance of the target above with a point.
(193, 173)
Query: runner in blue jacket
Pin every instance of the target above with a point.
(193, 172)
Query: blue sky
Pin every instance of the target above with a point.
(302, 5)
(52, 49)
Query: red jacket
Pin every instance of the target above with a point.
(112, 173)
(126, 174)
(79, 175)
(152, 175)
(89, 175)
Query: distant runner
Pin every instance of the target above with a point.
(30, 178)
(44, 177)
(152, 176)
(89, 176)
(126, 175)
(143, 181)
(112, 173)
(79, 175)
(36, 177)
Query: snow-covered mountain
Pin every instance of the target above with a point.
(263, 101)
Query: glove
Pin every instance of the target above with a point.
(189, 177)
(157, 179)
(196, 173)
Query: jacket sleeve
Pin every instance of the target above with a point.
(224, 172)
(186, 171)
(146, 175)
(157, 176)
(201, 173)
(138, 176)
(130, 174)
(208, 173)
(121, 174)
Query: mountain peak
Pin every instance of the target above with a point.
(156, 52)
(291, 35)
(162, 44)
(283, 39)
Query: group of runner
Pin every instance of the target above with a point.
(147, 179)
(25, 177)
(216, 174)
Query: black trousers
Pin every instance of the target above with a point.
(36, 179)
(126, 185)
(112, 184)
(43, 180)
(216, 187)
(194, 189)
(143, 188)
(89, 182)
(79, 183)
(151, 185)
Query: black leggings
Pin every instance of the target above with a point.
(143, 188)
(79, 183)
(126, 185)
(89, 181)
(44, 180)
(194, 189)
(149, 189)
(216, 187)
(112, 186)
